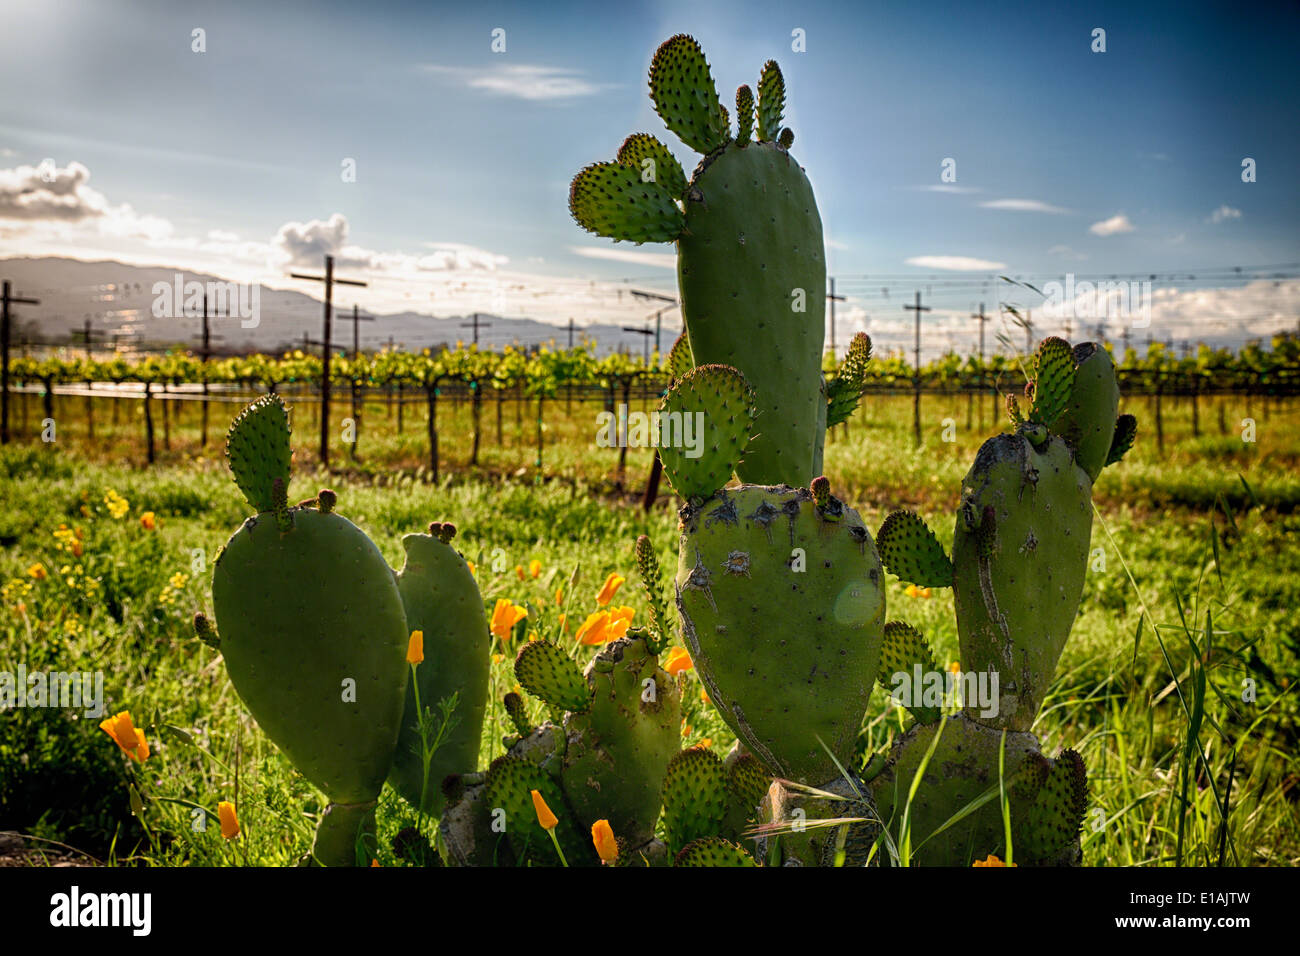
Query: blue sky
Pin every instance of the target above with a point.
(1066, 160)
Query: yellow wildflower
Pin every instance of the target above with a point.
(126, 735)
(678, 660)
(609, 588)
(505, 616)
(229, 820)
(38, 572)
(415, 647)
(602, 835)
(534, 568)
(545, 817)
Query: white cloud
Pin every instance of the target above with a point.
(1022, 205)
(660, 260)
(948, 188)
(54, 201)
(1223, 213)
(1112, 227)
(522, 81)
(1066, 252)
(956, 263)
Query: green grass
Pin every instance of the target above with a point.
(1191, 596)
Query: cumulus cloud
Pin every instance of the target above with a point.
(1022, 205)
(47, 192)
(51, 200)
(522, 81)
(1113, 226)
(956, 263)
(1224, 213)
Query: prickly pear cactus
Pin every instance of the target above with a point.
(782, 608)
(311, 627)
(751, 262)
(603, 756)
(1020, 550)
(442, 600)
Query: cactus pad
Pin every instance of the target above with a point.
(1019, 558)
(610, 200)
(314, 637)
(685, 96)
(1053, 380)
(508, 788)
(662, 167)
(679, 358)
(442, 600)
(782, 611)
(258, 450)
(715, 405)
(771, 101)
(744, 115)
(713, 851)
(909, 549)
(1053, 821)
(1126, 427)
(1088, 423)
(902, 650)
(546, 671)
(695, 797)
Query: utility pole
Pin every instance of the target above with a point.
(655, 297)
(832, 298)
(329, 280)
(916, 377)
(983, 320)
(205, 353)
(7, 299)
(357, 319)
(570, 331)
(475, 324)
(86, 334)
(647, 335)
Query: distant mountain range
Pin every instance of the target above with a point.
(118, 301)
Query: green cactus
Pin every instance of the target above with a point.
(313, 634)
(603, 756)
(713, 851)
(782, 609)
(719, 399)
(751, 263)
(619, 749)
(441, 599)
(1088, 423)
(1018, 561)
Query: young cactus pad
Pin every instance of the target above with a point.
(782, 608)
(713, 405)
(751, 264)
(441, 600)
